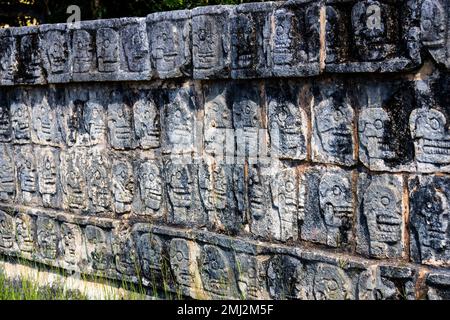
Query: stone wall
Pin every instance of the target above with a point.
(298, 149)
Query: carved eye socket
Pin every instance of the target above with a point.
(106, 43)
(429, 205)
(426, 25)
(282, 116)
(337, 190)
(151, 176)
(434, 123)
(179, 256)
(178, 114)
(378, 124)
(290, 186)
(247, 109)
(178, 175)
(280, 30)
(331, 285)
(214, 265)
(338, 115)
(385, 200)
(3, 224)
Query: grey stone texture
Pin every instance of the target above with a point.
(277, 150)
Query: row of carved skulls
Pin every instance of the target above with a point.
(168, 40)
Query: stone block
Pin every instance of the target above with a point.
(250, 40)
(380, 221)
(329, 206)
(429, 219)
(438, 284)
(8, 57)
(434, 15)
(333, 125)
(54, 48)
(295, 39)
(30, 69)
(384, 36)
(149, 194)
(288, 107)
(211, 46)
(180, 128)
(170, 37)
(385, 282)
(7, 174)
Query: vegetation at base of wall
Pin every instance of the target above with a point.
(31, 12)
(25, 289)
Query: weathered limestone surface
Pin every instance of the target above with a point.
(277, 150)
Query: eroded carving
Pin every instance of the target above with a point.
(374, 124)
(333, 125)
(181, 184)
(48, 165)
(147, 126)
(26, 173)
(8, 56)
(20, 120)
(99, 180)
(44, 120)
(170, 42)
(336, 206)
(95, 121)
(217, 277)
(107, 41)
(47, 237)
(71, 242)
(98, 248)
(331, 283)
(135, 45)
(430, 214)
(7, 230)
(430, 135)
(383, 211)
(181, 262)
(288, 126)
(25, 229)
(56, 51)
(119, 122)
(73, 179)
(150, 184)
(83, 51)
(251, 277)
(123, 186)
(285, 199)
(370, 30)
(125, 253)
(150, 250)
(30, 60)
(7, 175)
(179, 123)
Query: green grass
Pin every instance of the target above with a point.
(24, 289)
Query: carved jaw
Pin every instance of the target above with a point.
(153, 198)
(181, 197)
(433, 150)
(379, 149)
(387, 227)
(335, 214)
